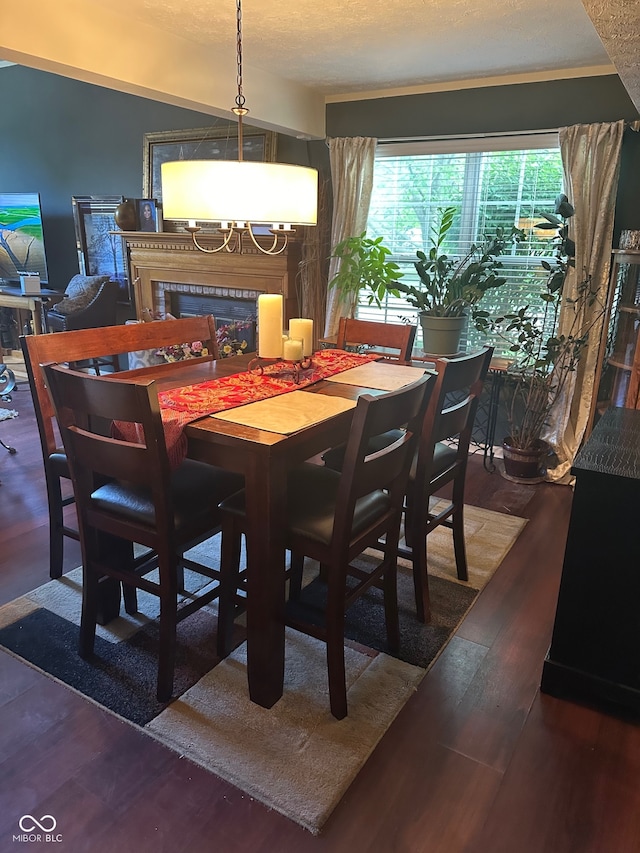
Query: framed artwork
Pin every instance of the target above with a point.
(208, 143)
(100, 250)
(149, 216)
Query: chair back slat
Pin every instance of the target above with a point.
(382, 336)
(453, 419)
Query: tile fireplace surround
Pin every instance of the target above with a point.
(165, 263)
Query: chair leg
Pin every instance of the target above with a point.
(56, 524)
(415, 534)
(168, 621)
(229, 572)
(88, 618)
(180, 576)
(457, 524)
(336, 669)
(295, 576)
(390, 591)
(408, 521)
(130, 596)
(89, 615)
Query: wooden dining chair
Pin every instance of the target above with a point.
(82, 345)
(393, 340)
(441, 459)
(443, 453)
(126, 492)
(333, 517)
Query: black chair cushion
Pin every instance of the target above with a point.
(311, 501)
(197, 489)
(58, 463)
(444, 457)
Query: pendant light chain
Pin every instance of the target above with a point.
(240, 108)
(239, 195)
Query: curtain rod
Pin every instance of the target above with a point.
(393, 140)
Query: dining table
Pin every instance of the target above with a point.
(264, 457)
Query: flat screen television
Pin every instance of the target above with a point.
(21, 239)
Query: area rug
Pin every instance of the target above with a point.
(295, 758)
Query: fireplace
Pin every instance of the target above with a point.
(165, 267)
(235, 313)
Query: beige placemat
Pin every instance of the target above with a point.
(380, 375)
(287, 413)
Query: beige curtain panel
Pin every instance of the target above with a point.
(352, 160)
(591, 158)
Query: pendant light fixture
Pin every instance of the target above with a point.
(238, 195)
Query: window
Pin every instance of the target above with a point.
(492, 183)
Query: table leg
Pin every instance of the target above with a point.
(37, 317)
(265, 507)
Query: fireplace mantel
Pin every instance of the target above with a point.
(160, 258)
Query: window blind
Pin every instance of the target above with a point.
(492, 184)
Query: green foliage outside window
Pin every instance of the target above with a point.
(491, 190)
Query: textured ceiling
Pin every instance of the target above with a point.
(350, 46)
(618, 25)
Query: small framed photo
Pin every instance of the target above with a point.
(149, 215)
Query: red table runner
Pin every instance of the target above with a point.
(180, 406)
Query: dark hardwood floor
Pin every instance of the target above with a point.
(478, 760)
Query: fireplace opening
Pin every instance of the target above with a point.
(235, 318)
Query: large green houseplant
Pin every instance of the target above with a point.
(544, 361)
(449, 288)
(364, 266)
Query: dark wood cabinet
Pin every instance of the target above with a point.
(595, 647)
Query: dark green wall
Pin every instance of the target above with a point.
(63, 138)
(500, 109)
(493, 109)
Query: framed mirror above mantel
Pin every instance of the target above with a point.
(163, 263)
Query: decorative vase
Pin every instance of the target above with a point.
(525, 465)
(125, 216)
(441, 335)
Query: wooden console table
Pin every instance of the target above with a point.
(11, 297)
(595, 648)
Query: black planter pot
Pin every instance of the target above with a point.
(527, 465)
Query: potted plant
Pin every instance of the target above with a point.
(364, 265)
(448, 287)
(543, 361)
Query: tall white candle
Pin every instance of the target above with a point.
(270, 315)
(301, 328)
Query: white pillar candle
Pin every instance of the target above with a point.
(292, 350)
(270, 314)
(299, 327)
